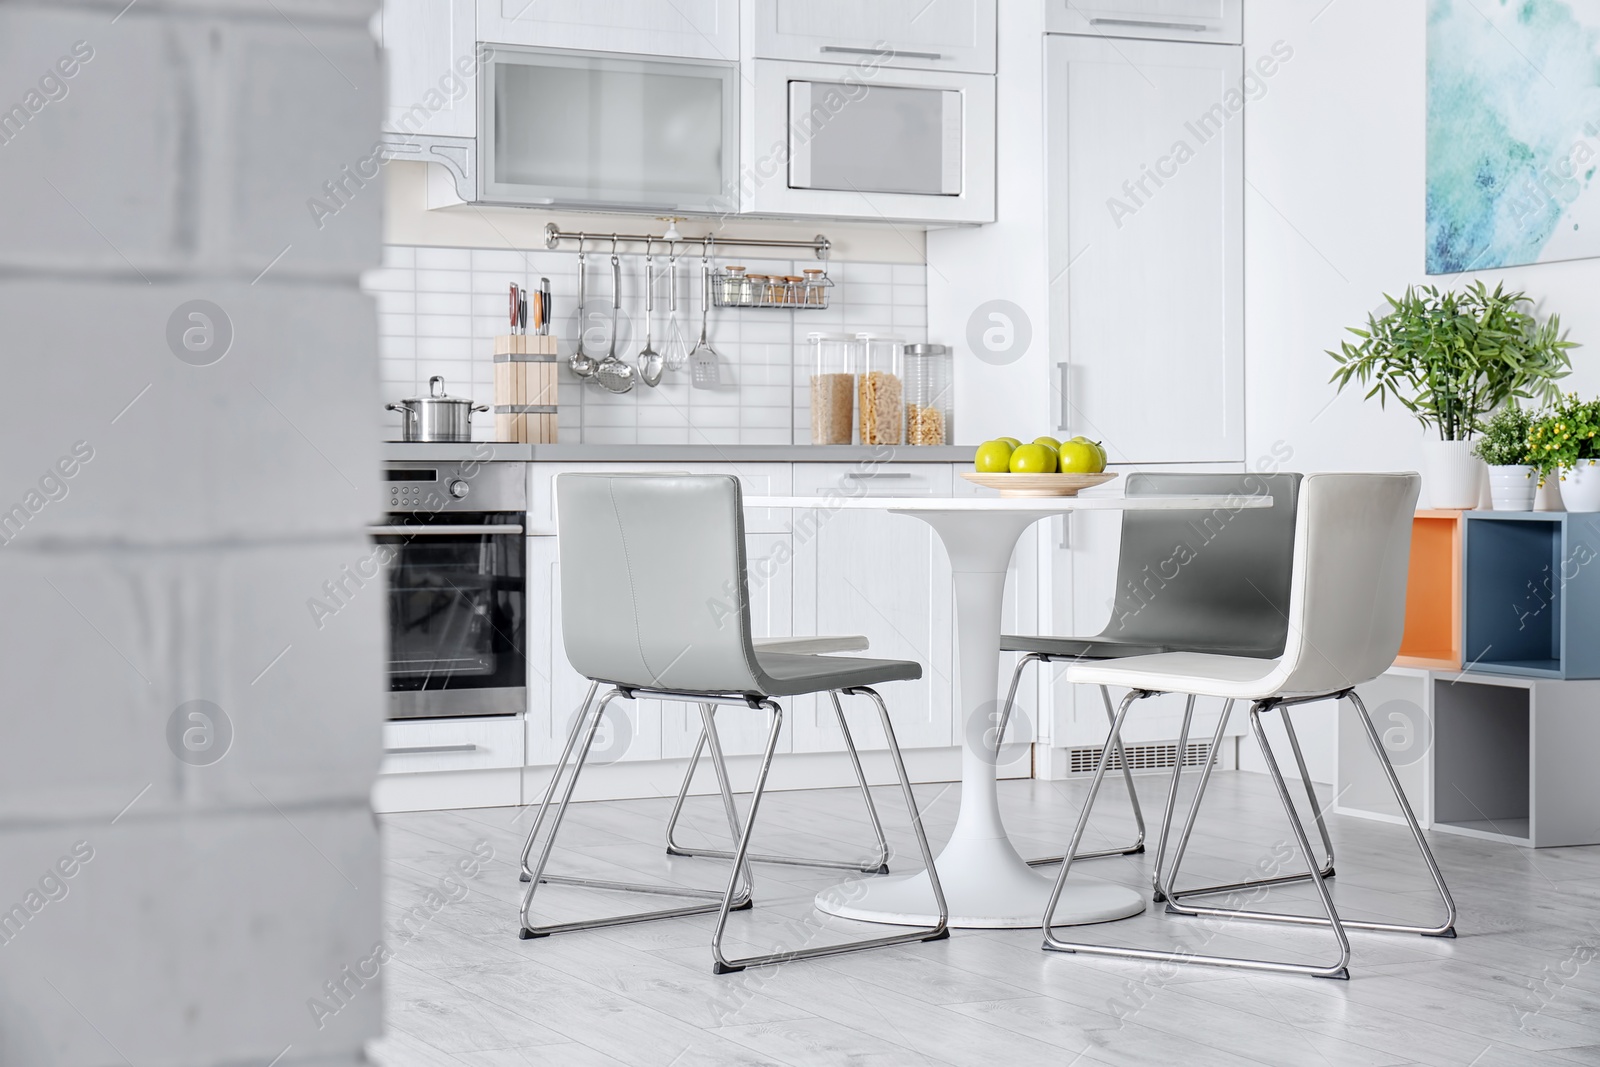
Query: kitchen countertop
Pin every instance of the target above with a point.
(492, 450)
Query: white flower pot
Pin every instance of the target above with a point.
(1452, 475)
(1580, 486)
(1512, 487)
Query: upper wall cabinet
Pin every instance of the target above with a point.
(931, 34)
(695, 29)
(1217, 21)
(432, 67)
(853, 141)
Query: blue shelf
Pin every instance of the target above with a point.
(1532, 592)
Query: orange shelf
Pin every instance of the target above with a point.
(1433, 636)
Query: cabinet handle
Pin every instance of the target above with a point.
(407, 750)
(856, 476)
(890, 52)
(1151, 24)
(1063, 423)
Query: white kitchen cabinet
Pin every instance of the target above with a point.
(1146, 208)
(885, 576)
(698, 29)
(413, 746)
(839, 141)
(1214, 21)
(935, 34)
(432, 67)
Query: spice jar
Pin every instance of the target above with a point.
(880, 407)
(756, 289)
(928, 380)
(816, 287)
(833, 385)
(733, 288)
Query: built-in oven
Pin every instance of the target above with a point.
(458, 588)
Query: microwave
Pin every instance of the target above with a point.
(866, 140)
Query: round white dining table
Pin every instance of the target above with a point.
(985, 882)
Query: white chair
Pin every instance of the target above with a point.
(1346, 613)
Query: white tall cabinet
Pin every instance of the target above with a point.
(1146, 245)
(1126, 306)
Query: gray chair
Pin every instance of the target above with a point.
(641, 558)
(1215, 583)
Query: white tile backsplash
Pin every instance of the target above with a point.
(440, 308)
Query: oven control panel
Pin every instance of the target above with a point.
(456, 486)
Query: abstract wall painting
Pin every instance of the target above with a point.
(1513, 132)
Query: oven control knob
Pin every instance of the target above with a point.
(458, 488)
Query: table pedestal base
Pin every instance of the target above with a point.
(987, 886)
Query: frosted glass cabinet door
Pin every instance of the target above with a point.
(606, 131)
(1146, 165)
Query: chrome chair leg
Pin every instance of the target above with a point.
(879, 865)
(1127, 773)
(1164, 883)
(1172, 793)
(1175, 904)
(1055, 944)
(735, 898)
(724, 965)
(555, 777)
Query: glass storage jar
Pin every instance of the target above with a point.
(880, 393)
(928, 381)
(734, 287)
(833, 387)
(816, 287)
(756, 288)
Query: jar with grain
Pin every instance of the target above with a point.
(880, 393)
(833, 386)
(928, 380)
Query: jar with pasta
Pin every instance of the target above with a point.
(928, 374)
(833, 387)
(880, 392)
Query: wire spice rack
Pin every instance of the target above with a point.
(733, 287)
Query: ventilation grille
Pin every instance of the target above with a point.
(1151, 757)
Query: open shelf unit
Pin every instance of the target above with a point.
(1433, 593)
(1531, 581)
(1491, 756)
(1514, 759)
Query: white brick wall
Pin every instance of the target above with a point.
(439, 309)
(165, 514)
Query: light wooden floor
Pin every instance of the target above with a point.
(1521, 986)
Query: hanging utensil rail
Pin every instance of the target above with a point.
(554, 235)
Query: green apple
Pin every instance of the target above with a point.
(1033, 459)
(1049, 441)
(1012, 441)
(1079, 457)
(993, 457)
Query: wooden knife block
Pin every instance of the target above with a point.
(525, 389)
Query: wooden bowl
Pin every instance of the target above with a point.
(1037, 485)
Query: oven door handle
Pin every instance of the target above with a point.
(445, 530)
(406, 750)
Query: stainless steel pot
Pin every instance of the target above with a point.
(437, 416)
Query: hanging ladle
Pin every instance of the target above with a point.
(582, 364)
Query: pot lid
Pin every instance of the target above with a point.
(436, 394)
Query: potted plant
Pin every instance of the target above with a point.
(1566, 441)
(1451, 358)
(1504, 447)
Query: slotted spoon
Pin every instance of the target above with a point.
(705, 366)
